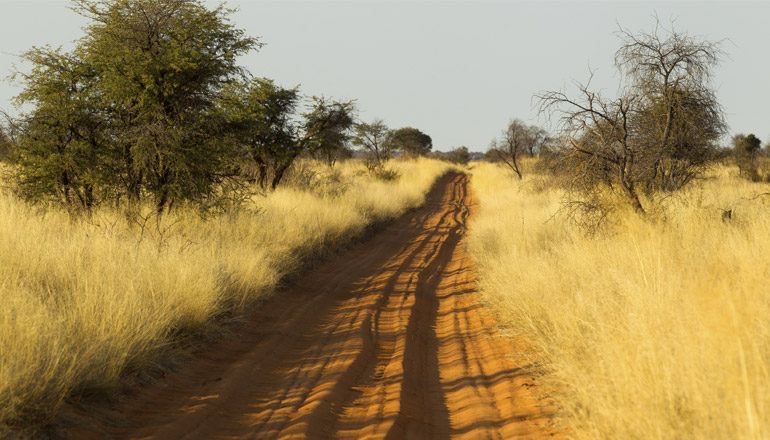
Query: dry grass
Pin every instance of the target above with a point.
(90, 304)
(656, 329)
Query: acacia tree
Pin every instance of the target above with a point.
(62, 142)
(517, 140)
(411, 141)
(263, 123)
(373, 139)
(266, 124)
(161, 66)
(260, 118)
(333, 145)
(325, 126)
(659, 133)
(131, 111)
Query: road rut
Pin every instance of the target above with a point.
(386, 341)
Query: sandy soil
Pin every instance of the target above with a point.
(386, 341)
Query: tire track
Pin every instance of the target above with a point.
(386, 341)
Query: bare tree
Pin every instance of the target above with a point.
(679, 119)
(658, 134)
(517, 140)
(538, 138)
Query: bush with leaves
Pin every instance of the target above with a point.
(130, 112)
(459, 155)
(264, 126)
(151, 105)
(746, 149)
(410, 141)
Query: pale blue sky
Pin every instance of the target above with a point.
(456, 70)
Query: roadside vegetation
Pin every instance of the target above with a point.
(153, 191)
(654, 328)
(632, 254)
(91, 304)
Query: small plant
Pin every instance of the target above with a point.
(380, 172)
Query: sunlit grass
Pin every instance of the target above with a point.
(89, 303)
(655, 329)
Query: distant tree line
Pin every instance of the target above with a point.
(151, 105)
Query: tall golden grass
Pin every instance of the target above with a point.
(89, 304)
(656, 329)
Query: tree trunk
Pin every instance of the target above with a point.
(516, 168)
(160, 204)
(262, 175)
(279, 174)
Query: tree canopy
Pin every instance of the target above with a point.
(373, 138)
(131, 110)
(152, 104)
(411, 141)
(263, 124)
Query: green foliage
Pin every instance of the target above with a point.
(259, 114)
(459, 155)
(262, 122)
(62, 144)
(326, 130)
(332, 145)
(411, 141)
(131, 111)
(151, 104)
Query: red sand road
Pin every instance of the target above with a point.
(386, 341)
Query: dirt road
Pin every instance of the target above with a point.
(386, 341)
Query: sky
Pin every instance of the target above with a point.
(459, 70)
